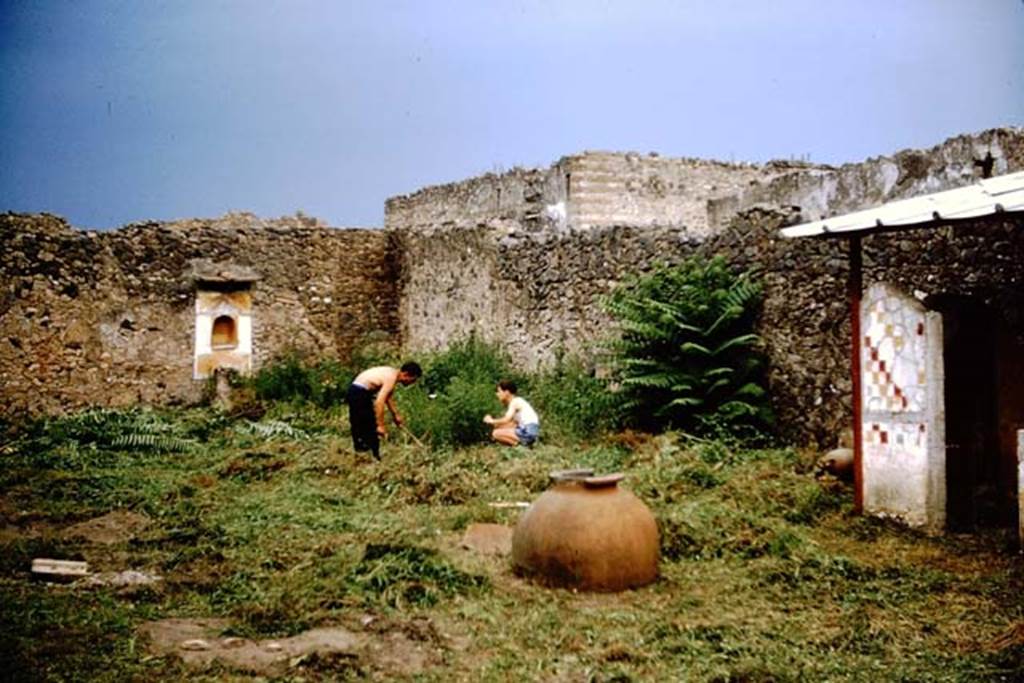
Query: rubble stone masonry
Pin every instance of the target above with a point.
(533, 278)
(522, 258)
(107, 318)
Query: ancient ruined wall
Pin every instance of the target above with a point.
(823, 192)
(520, 195)
(449, 285)
(536, 293)
(536, 285)
(524, 257)
(107, 317)
(610, 189)
(585, 191)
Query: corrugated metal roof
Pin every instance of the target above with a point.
(990, 196)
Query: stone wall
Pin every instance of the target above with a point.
(520, 195)
(610, 189)
(822, 192)
(522, 258)
(536, 287)
(585, 191)
(536, 293)
(107, 317)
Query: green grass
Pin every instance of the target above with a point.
(766, 574)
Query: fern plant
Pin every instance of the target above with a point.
(104, 428)
(687, 356)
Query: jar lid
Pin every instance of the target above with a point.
(603, 480)
(571, 475)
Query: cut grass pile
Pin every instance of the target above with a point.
(277, 526)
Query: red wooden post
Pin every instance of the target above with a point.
(855, 285)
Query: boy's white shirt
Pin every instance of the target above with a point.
(522, 412)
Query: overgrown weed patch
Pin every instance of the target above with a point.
(766, 574)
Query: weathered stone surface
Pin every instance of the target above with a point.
(129, 578)
(119, 526)
(522, 257)
(109, 319)
(535, 285)
(199, 644)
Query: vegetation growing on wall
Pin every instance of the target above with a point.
(687, 356)
(291, 378)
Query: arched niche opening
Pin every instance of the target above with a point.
(225, 333)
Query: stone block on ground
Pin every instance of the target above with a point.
(58, 570)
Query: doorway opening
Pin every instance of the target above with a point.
(978, 491)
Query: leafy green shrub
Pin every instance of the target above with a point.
(52, 440)
(466, 400)
(687, 357)
(457, 389)
(472, 359)
(572, 402)
(292, 379)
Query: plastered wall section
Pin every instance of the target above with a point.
(237, 355)
(902, 432)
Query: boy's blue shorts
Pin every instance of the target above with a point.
(527, 434)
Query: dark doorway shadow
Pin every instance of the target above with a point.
(976, 485)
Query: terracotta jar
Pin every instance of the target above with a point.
(587, 533)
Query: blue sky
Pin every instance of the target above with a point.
(112, 112)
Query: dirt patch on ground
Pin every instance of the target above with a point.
(391, 648)
(16, 525)
(119, 526)
(9, 533)
(255, 466)
(488, 539)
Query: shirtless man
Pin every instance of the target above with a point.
(370, 392)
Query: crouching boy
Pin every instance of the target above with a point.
(519, 424)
